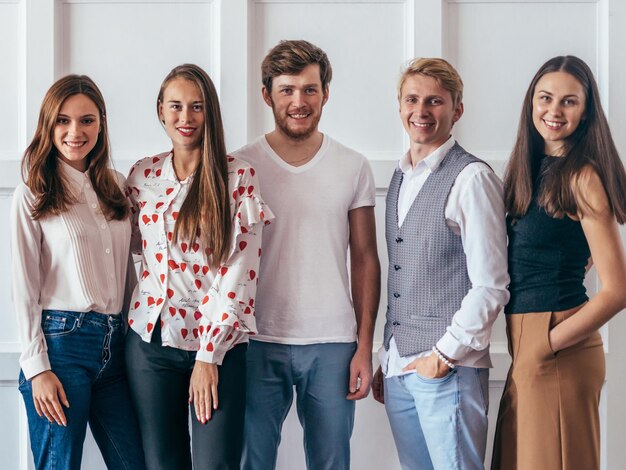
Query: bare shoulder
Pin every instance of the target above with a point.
(590, 193)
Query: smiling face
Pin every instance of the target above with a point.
(182, 114)
(297, 102)
(428, 113)
(558, 109)
(76, 130)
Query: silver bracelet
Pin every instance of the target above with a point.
(442, 358)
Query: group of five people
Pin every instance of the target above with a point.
(255, 245)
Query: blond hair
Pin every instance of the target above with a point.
(439, 69)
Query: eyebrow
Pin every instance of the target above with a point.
(178, 101)
(427, 97)
(306, 85)
(551, 94)
(83, 116)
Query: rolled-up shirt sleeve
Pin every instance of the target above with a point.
(480, 217)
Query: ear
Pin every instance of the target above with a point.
(161, 113)
(458, 112)
(326, 95)
(266, 96)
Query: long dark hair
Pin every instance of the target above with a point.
(40, 163)
(590, 144)
(205, 213)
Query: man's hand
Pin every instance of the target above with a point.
(48, 394)
(203, 390)
(360, 374)
(378, 386)
(429, 367)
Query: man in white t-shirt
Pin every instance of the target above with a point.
(315, 325)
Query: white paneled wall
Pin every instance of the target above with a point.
(128, 47)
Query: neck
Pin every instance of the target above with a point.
(185, 162)
(296, 152)
(419, 152)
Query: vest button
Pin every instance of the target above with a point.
(399, 240)
(396, 267)
(396, 295)
(395, 323)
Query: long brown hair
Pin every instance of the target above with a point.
(590, 144)
(40, 164)
(205, 213)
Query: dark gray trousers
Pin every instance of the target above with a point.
(159, 383)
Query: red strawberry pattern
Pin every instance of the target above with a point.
(200, 307)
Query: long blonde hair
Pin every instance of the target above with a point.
(205, 213)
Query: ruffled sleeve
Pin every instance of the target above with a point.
(227, 310)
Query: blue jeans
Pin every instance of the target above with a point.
(441, 423)
(86, 352)
(320, 374)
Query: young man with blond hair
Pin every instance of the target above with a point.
(315, 325)
(446, 240)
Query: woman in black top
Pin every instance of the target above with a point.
(564, 193)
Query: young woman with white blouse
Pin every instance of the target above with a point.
(70, 240)
(198, 220)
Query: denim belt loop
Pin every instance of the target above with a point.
(81, 317)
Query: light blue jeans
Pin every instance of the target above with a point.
(439, 424)
(320, 374)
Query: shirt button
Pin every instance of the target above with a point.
(103, 226)
(94, 205)
(396, 295)
(399, 240)
(87, 185)
(107, 251)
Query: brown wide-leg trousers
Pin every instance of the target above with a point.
(548, 417)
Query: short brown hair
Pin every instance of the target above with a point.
(439, 69)
(290, 58)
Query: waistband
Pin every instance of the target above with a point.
(90, 317)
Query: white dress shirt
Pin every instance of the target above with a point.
(75, 261)
(475, 211)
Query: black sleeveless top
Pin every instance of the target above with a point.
(547, 258)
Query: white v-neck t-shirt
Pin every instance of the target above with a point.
(303, 295)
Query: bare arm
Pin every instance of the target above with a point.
(365, 275)
(607, 253)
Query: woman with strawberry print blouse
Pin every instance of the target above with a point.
(197, 218)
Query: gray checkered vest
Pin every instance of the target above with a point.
(427, 270)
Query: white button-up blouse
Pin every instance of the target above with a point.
(75, 261)
(200, 307)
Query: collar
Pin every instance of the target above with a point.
(168, 172)
(76, 179)
(431, 161)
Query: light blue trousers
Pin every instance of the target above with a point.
(320, 374)
(439, 424)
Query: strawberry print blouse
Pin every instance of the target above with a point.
(203, 308)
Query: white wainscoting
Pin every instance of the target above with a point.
(128, 47)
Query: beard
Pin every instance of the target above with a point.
(299, 133)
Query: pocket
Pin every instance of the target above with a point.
(55, 324)
(551, 352)
(438, 380)
(21, 380)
